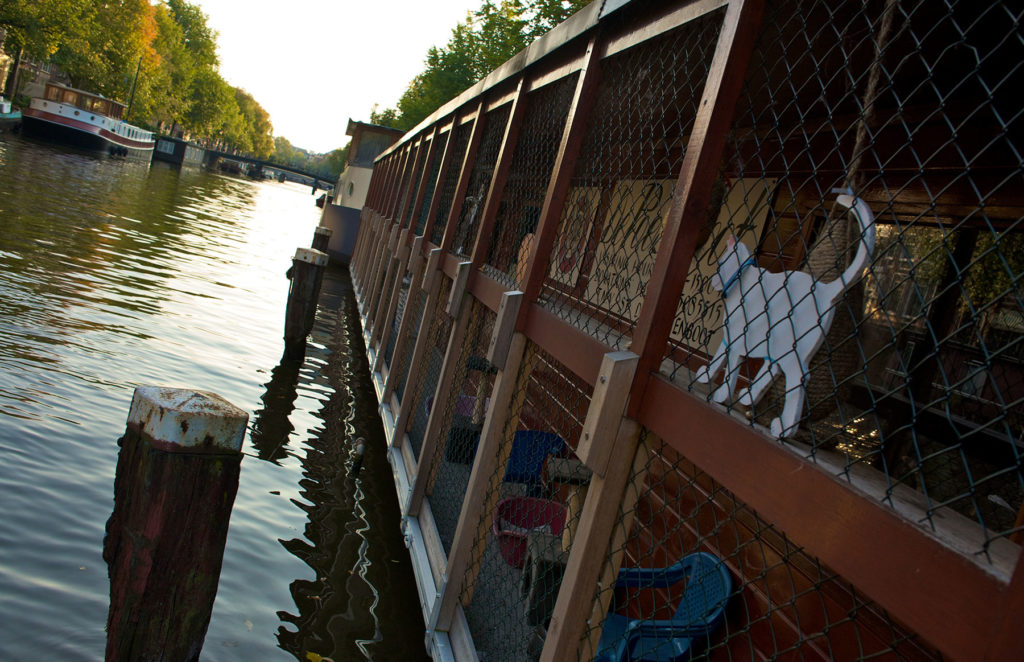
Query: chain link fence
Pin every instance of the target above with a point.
(854, 293)
(464, 409)
(530, 171)
(415, 392)
(451, 180)
(494, 124)
(621, 190)
(437, 144)
(716, 575)
(404, 281)
(531, 512)
(908, 110)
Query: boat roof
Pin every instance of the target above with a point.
(81, 91)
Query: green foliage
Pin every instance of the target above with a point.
(486, 39)
(329, 166)
(102, 44)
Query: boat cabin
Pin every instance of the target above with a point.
(94, 103)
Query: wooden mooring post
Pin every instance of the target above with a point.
(306, 275)
(177, 475)
(321, 238)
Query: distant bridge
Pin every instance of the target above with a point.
(213, 157)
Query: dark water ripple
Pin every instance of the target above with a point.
(114, 275)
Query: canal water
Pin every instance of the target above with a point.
(115, 274)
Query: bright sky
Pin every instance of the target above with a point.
(313, 64)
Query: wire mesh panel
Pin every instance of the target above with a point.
(414, 183)
(406, 190)
(432, 172)
(422, 388)
(404, 358)
(464, 409)
(480, 180)
(700, 571)
(531, 513)
(451, 181)
(857, 287)
(396, 323)
(527, 182)
(621, 189)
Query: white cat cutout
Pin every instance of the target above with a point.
(782, 318)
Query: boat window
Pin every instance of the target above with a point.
(69, 97)
(53, 93)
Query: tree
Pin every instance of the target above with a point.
(486, 39)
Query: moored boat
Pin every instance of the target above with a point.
(86, 120)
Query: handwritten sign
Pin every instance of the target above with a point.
(574, 232)
(701, 311)
(630, 236)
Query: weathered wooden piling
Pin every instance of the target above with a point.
(321, 238)
(306, 275)
(177, 475)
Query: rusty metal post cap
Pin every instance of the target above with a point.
(311, 256)
(188, 419)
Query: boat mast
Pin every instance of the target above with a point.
(131, 97)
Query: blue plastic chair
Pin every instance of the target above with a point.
(530, 448)
(701, 609)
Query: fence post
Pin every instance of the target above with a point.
(306, 276)
(365, 240)
(600, 530)
(177, 475)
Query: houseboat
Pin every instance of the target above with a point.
(86, 120)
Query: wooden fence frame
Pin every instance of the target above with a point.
(961, 605)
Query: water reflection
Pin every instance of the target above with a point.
(351, 541)
(115, 274)
(271, 425)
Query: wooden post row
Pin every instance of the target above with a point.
(367, 229)
(379, 274)
(367, 239)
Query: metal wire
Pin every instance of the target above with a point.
(464, 411)
(527, 182)
(404, 358)
(918, 375)
(480, 180)
(451, 181)
(430, 373)
(396, 323)
(428, 193)
(532, 508)
(622, 187)
(779, 595)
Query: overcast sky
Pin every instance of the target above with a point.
(313, 64)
